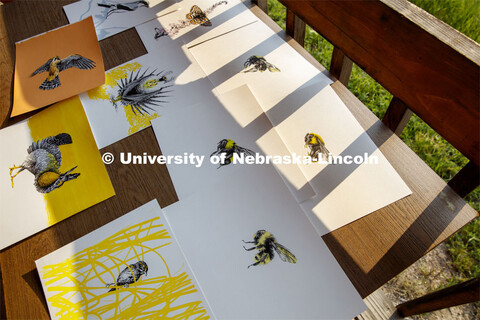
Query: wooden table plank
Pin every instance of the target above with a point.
(374, 249)
(370, 250)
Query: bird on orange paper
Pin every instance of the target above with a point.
(55, 65)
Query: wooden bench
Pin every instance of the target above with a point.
(429, 67)
(371, 250)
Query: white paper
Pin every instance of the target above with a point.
(184, 84)
(111, 17)
(51, 170)
(210, 227)
(96, 259)
(345, 192)
(223, 60)
(19, 218)
(223, 16)
(198, 129)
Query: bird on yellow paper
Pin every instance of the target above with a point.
(43, 161)
(55, 65)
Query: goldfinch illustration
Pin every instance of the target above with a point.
(226, 148)
(43, 161)
(317, 146)
(129, 275)
(266, 243)
(55, 65)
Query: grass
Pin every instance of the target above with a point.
(443, 158)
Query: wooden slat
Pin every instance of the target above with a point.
(341, 66)
(262, 4)
(374, 249)
(295, 27)
(379, 308)
(459, 294)
(397, 115)
(466, 180)
(3, 311)
(422, 61)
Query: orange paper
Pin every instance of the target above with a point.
(56, 65)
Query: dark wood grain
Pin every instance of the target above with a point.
(427, 64)
(466, 180)
(374, 249)
(397, 115)
(341, 66)
(262, 4)
(295, 27)
(466, 292)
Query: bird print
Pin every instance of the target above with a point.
(143, 90)
(43, 161)
(129, 275)
(316, 145)
(114, 7)
(55, 65)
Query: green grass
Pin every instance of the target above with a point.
(443, 158)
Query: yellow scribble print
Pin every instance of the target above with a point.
(80, 282)
(136, 120)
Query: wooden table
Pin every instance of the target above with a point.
(371, 250)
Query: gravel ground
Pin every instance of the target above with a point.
(429, 274)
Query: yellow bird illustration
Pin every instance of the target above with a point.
(44, 160)
(55, 65)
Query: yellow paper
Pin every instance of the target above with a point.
(50, 169)
(93, 185)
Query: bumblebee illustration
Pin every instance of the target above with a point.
(197, 16)
(265, 243)
(142, 91)
(257, 63)
(317, 146)
(55, 65)
(129, 275)
(43, 161)
(226, 148)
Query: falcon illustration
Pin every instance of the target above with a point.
(55, 65)
(129, 275)
(44, 160)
